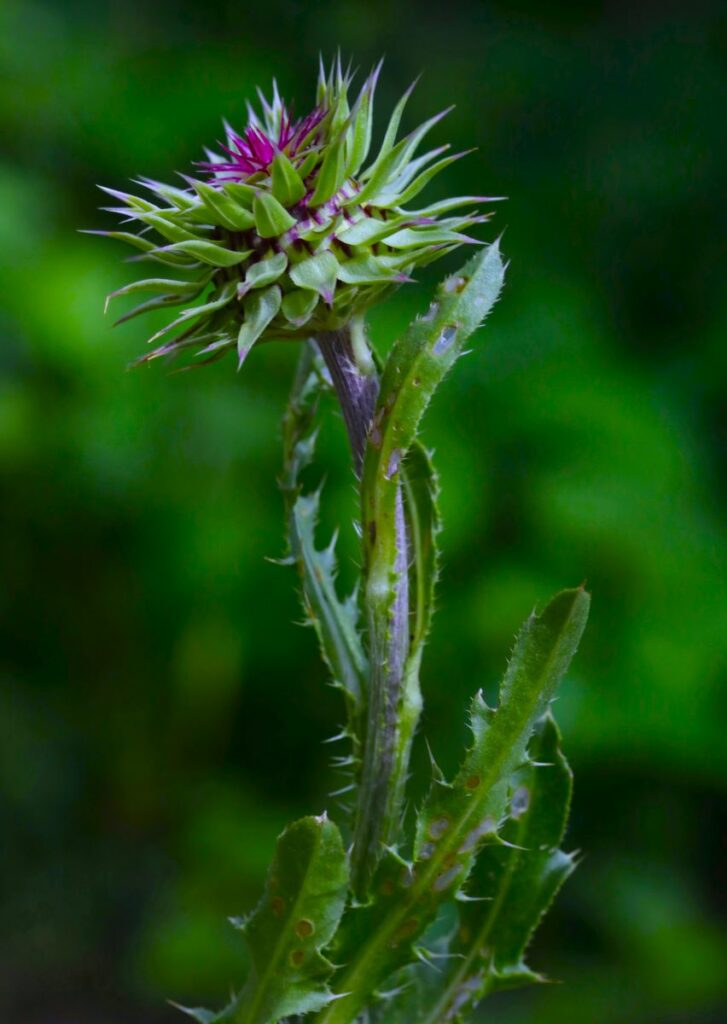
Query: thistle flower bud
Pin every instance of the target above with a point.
(281, 234)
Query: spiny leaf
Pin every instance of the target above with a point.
(542, 653)
(244, 195)
(178, 197)
(138, 241)
(359, 140)
(223, 208)
(370, 270)
(287, 184)
(317, 273)
(332, 173)
(160, 302)
(457, 819)
(169, 286)
(260, 308)
(395, 159)
(421, 493)
(298, 306)
(445, 205)
(166, 227)
(418, 362)
(297, 918)
(390, 135)
(218, 300)
(203, 1016)
(334, 620)
(271, 219)
(369, 230)
(508, 892)
(264, 272)
(207, 252)
(413, 238)
(425, 177)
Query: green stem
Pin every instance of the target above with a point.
(393, 713)
(393, 707)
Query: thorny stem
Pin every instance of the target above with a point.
(357, 386)
(389, 725)
(387, 739)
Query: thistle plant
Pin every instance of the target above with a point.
(290, 231)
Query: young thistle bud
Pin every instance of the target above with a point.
(282, 235)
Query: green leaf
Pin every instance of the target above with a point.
(459, 818)
(476, 799)
(370, 270)
(288, 186)
(166, 226)
(264, 272)
(138, 241)
(308, 162)
(219, 299)
(511, 887)
(332, 172)
(421, 493)
(390, 135)
(417, 364)
(297, 918)
(244, 195)
(298, 307)
(359, 140)
(207, 252)
(411, 238)
(397, 157)
(177, 197)
(528, 873)
(161, 302)
(203, 1016)
(409, 184)
(271, 219)
(137, 203)
(445, 205)
(317, 273)
(335, 621)
(369, 230)
(225, 211)
(260, 307)
(169, 286)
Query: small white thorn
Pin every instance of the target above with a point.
(424, 956)
(343, 790)
(343, 735)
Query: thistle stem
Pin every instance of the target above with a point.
(356, 385)
(390, 721)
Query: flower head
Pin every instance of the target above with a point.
(281, 234)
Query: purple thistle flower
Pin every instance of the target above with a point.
(286, 234)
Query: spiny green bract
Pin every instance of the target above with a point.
(284, 235)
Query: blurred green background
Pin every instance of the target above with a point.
(161, 717)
